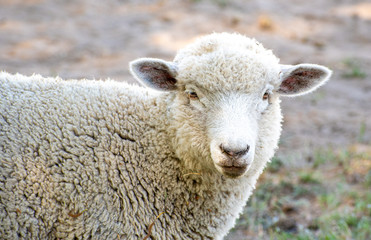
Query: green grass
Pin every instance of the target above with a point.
(368, 179)
(321, 157)
(353, 69)
(318, 200)
(308, 177)
(362, 132)
(329, 200)
(345, 226)
(275, 165)
(220, 3)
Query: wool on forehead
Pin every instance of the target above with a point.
(232, 59)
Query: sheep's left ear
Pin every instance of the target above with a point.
(155, 73)
(302, 78)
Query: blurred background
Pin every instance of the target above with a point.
(319, 184)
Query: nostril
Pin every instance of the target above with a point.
(233, 153)
(244, 151)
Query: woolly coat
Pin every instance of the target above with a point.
(93, 159)
(108, 160)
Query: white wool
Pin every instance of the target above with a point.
(105, 160)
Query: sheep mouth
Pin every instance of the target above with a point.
(233, 171)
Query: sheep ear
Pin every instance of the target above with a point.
(155, 73)
(302, 78)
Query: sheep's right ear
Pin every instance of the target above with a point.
(155, 73)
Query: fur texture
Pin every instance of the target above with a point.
(102, 159)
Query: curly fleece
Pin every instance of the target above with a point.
(102, 159)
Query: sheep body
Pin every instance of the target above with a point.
(102, 159)
(67, 148)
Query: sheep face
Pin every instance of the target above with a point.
(225, 95)
(232, 130)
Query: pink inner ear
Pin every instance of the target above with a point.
(300, 80)
(312, 73)
(288, 85)
(164, 80)
(160, 78)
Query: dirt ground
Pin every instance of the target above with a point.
(97, 39)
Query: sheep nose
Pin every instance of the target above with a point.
(234, 153)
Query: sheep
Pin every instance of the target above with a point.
(176, 159)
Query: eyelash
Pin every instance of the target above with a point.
(266, 96)
(192, 95)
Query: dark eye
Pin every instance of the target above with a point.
(192, 95)
(266, 96)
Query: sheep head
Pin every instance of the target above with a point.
(225, 110)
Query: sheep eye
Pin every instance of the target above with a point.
(192, 95)
(266, 96)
